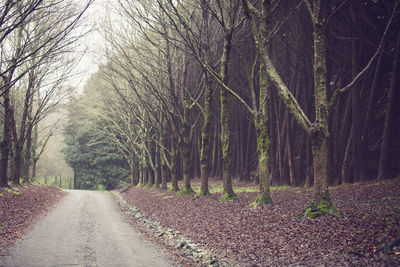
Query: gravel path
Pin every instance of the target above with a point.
(85, 229)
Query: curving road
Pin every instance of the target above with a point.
(85, 229)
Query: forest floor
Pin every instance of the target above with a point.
(21, 208)
(367, 233)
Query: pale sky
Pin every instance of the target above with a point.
(93, 44)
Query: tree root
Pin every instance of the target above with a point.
(323, 208)
(227, 197)
(202, 194)
(262, 199)
(185, 191)
(155, 186)
(173, 189)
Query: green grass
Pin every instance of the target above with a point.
(65, 183)
(12, 190)
(216, 187)
(101, 188)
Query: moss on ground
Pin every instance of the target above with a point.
(173, 189)
(201, 194)
(227, 197)
(185, 191)
(262, 199)
(323, 208)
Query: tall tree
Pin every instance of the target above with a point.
(393, 95)
(318, 130)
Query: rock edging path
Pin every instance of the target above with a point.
(172, 238)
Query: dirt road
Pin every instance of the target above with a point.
(85, 229)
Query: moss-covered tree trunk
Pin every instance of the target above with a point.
(163, 172)
(206, 129)
(151, 165)
(187, 189)
(150, 181)
(163, 162)
(206, 141)
(174, 169)
(145, 175)
(261, 122)
(320, 131)
(186, 131)
(226, 134)
(132, 170)
(141, 175)
(157, 171)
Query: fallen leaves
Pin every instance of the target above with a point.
(19, 211)
(270, 235)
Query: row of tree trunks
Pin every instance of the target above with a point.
(333, 149)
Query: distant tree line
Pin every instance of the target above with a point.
(37, 38)
(290, 92)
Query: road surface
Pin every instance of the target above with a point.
(85, 229)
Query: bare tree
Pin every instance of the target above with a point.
(40, 37)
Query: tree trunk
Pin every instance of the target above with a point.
(149, 175)
(309, 159)
(75, 180)
(216, 157)
(34, 164)
(141, 175)
(145, 175)
(6, 143)
(289, 153)
(162, 161)
(358, 153)
(346, 161)
(19, 139)
(187, 189)
(157, 177)
(8, 114)
(385, 159)
(226, 134)
(28, 146)
(206, 130)
(132, 172)
(320, 130)
(174, 169)
(371, 103)
(163, 172)
(26, 162)
(261, 123)
(17, 164)
(278, 144)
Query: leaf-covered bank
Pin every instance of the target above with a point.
(272, 236)
(20, 208)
